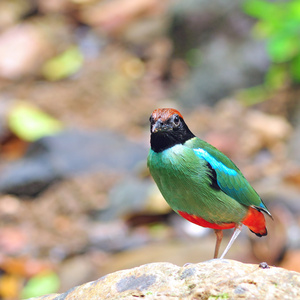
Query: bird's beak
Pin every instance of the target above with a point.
(160, 126)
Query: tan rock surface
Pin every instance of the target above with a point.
(214, 279)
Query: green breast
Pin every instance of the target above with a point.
(184, 182)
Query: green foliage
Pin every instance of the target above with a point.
(63, 65)
(41, 284)
(279, 24)
(30, 123)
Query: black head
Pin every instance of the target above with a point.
(168, 129)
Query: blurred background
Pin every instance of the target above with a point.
(78, 82)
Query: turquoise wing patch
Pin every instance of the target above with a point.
(231, 181)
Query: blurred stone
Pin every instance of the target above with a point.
(292, 176)
(272, 247)
(75, 270)
(282, 201)
(226, 142)
(128, 196)
(169, 250)
(9, 206)
(115, 237)
(13, 240)
(291, 260)
(23, 48)
(90, 43)
(218, 279)
(55, 6)
(67, 154)
(24, 266)
(13, 11)
(156, 202)
(294, 143)
(146, 30)
(114, 17)
(269, 129)
(215, 39)
(11, 146)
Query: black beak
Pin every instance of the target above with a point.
(160, 126)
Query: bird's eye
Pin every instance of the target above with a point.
(176, 120)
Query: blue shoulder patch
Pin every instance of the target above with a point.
(215, 164)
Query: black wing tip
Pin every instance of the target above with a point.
(264, 210)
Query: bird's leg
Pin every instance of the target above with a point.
(235, 234)
(219, 236)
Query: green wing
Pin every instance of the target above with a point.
(228, 177)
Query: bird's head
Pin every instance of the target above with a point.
(167, 129)
(165, 120)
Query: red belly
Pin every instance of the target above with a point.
(254, 220)
(201, 222)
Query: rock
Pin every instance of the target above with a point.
(128, 196)
(114, 17)
(291, 260)
(23, 48)
(213, 279)
(269, 129)
(215, 39)
(294, 143)
(67, 154)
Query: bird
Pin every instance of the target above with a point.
(199, 182)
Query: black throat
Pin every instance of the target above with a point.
(163, 140)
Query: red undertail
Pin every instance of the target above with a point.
(254, 220)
